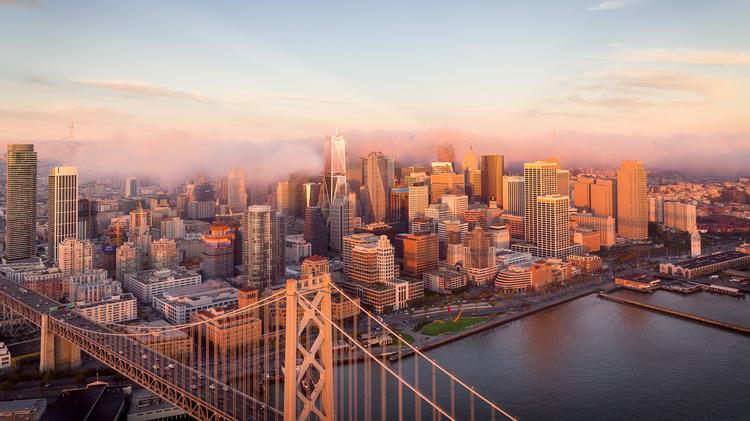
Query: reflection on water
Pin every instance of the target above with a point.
(594, 359)
(706, 304)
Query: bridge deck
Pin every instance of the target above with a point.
(189, 389)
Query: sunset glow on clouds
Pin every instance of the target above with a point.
(235, 73)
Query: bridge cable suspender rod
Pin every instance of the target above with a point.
(420, 353)
(383, 365)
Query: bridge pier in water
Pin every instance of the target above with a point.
(56, 353)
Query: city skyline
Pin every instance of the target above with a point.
(516, 80)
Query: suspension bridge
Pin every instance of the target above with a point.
(281, 357)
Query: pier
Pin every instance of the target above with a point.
(679, 314)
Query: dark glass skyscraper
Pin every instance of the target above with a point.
(20, 217)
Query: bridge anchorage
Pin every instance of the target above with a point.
(284, 355)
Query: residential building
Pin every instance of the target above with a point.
(513, 195)
(115, 309)
(217, 255)
(75, 256)
(20, 203)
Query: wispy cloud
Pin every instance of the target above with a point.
(142, 89)
(30, 3)
(669, 81)
(611, 4)
(683, 56)
(295, 98)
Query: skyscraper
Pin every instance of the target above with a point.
(218, 252)
(603, 196)
(513, 196)
(257, 236)
(540, 179)
(20, 197)
(378, 186)
(334, 169)
(457, 203)
(315, 230)
(553, 225)
(446, 153)
(311, 194)
(283, 197)
(131, 186)
(339, 222)
(278, 247)
(632, 200)
(236, 190)
(492, 177)
(563, 182)
(419, 199)
(62, 208)
(445, 183)
(471, 161)
(399, 210)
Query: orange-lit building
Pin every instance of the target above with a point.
(228, 332)
(587, 263)
(218, 252)
(421, 251)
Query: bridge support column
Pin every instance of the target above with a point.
(311, 320)
(56, 353)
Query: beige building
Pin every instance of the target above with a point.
(75, 257)
(164, 254)
(604, 225)
(680, 216)
(62, 208)
(632, 200)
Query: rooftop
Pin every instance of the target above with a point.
(161, 275)
(710, 259)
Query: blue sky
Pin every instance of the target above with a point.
(284, 70)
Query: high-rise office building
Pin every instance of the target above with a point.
(553, 225)
(421, 252)
(563, 182)
(445, 183)
(315, 231)
(632, 200)
(340, 222)
(62, 208)
(582, 191)
(457, 203)
(471, 161)
(278, 247)
(218, 252)
(334, 169)
(377, 185)
(75, 257)
(20, 197)
(311, 194)
(131, 187)
(236, 190)
(283, 197)
(257, 236)
(399, 211)
(473, 180)
(603, 196)
(492, 177)
(513, 196)
(540, 179)
(173, 228)
(419, 199)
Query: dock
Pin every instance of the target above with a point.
(679, 314)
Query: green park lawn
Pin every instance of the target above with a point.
(437, 327)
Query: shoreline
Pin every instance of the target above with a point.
(495, 323)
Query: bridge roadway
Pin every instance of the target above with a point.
(187, 388)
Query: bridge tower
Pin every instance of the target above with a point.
(56, 353)
(309, 385)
